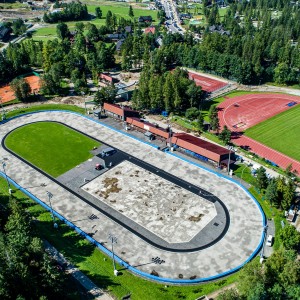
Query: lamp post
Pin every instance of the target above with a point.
(8, 184)
(113, 240)
(243, 172)
(230, 148)
(263, 246)
(83, 94)
(50, 195)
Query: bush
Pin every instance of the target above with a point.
(192, 113)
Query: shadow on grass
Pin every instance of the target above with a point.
(66, 241)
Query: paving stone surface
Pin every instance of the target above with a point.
(246, 222)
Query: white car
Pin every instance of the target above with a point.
(269, 240)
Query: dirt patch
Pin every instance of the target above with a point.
(111, 185)
(196, 218)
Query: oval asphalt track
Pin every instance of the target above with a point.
(243, 235)
(211, 234)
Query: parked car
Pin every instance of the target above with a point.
(270, 240)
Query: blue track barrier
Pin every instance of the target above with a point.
(108, 252)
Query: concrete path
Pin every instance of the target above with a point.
(91, 288)
(242, 238)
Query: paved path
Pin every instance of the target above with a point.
(242, 238)
(91, 288)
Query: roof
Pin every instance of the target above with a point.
(145, 19)
(115, 36)
(150, 29)
(193, 142)
(128, 29)
(153, 128)
(119, 44)
(106, 77)
(4, 31)
(117, 109)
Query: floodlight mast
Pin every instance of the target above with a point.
(113, 239)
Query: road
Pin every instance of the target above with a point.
(173, 20)
(23, 36)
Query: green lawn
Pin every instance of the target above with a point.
(52, 147)
(43, 107)
(118, 8)
(280, 132)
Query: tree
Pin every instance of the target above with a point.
(18, 27)
(26, 272)
(225, 135)
(230, 294)
(271, 193)
(288, 170)
(194, 93)
(79, 26)
(250, 279)
(213, 118)
(106, 94)
(289, 237)
(130, 12)
(288, 195)
(200, 122)
(98, 12)
(21, 88)
(62, 30)
(261, 178)
(192, 113)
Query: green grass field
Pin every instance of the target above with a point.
(52, 147)
(280, 132)
(120, 9)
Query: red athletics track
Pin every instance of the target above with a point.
(242, 112)
(208, 84)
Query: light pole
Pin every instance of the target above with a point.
(8, 184)
(113, 240)
(230, 148)
(83, 94)
(243, 172)
(50, 195)
(263, 246)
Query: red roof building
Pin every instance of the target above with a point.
(147, 126)
(150, 29)
(119, 112)
(212, 151)
(106, 78)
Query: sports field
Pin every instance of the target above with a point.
(52, 147)
(280, 132)
(7, 94)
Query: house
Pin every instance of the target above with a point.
(150, 29)
(128, 29)
(119, 45)
(114, 37)
(185, 16)
(159, 41)
(106, 78)
(4, 33)
(219, 29)
(145, 19)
